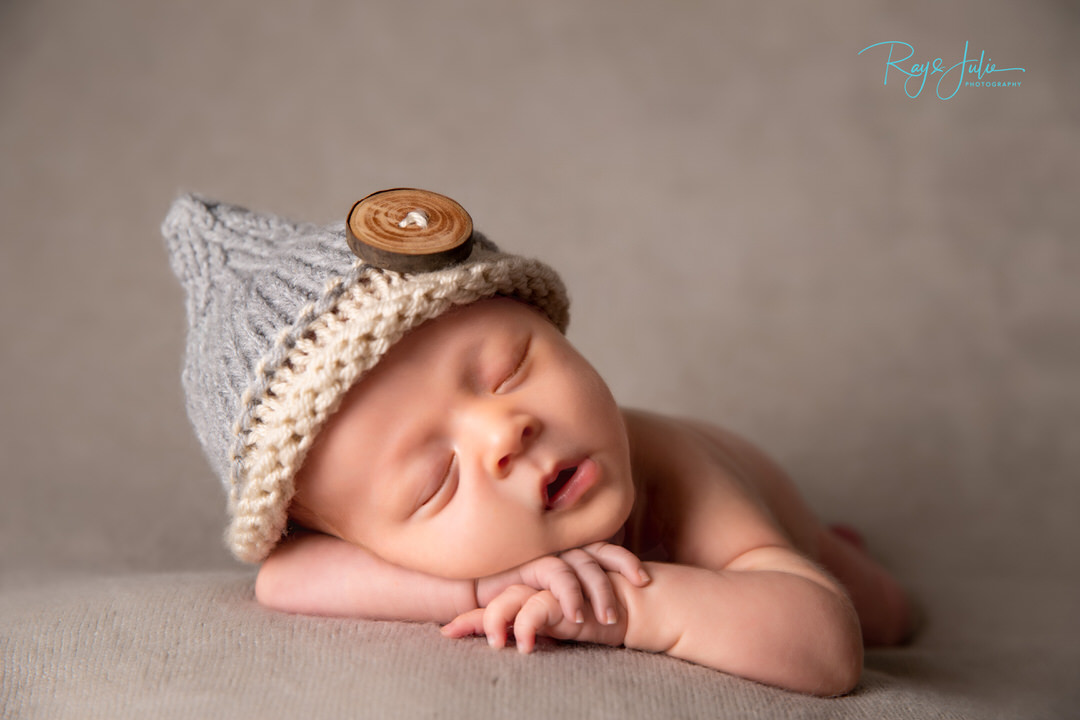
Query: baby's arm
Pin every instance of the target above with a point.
(743, 596)
(769, 616)
(316, 574)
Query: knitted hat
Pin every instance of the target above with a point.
(282, 320)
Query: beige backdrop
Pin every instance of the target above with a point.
(880, 290)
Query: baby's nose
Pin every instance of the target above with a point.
(510, 439)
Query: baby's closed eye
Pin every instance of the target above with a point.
(440, 486)
(513, 367)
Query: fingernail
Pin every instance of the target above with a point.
(612, 618)
(491, 641)
(644, 576)
(579, 618)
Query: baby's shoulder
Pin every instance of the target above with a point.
(698, 480)
(671, 447)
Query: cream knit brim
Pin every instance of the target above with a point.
(291, 400)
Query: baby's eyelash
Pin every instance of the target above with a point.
(446, 477)
(517, 368)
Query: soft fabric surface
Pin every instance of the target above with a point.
(881, 291)
(196, 645)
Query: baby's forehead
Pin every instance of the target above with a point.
(451, 341)
(497, 308)
(481, 319)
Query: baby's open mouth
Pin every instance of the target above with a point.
(557, 485)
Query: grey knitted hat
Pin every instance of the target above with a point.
(282, 320)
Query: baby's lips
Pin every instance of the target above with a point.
(571, 484)
(555, 481)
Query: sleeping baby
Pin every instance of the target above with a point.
(405, 433)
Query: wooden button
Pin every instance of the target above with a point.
(409, 230)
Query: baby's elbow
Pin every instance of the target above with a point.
(841, 664)
(842, 674)
(273, 587)
(266, 587)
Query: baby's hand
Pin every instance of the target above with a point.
(570, 577)
(531, 612)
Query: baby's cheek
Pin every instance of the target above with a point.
(495, 544)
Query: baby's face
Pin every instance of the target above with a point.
(480, 441)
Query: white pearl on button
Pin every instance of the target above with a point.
(415, 218)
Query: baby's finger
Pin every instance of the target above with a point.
(501, 611)
(618, 559)
(469, 623)
(554, 574)
(540, 611)
(596, 583)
